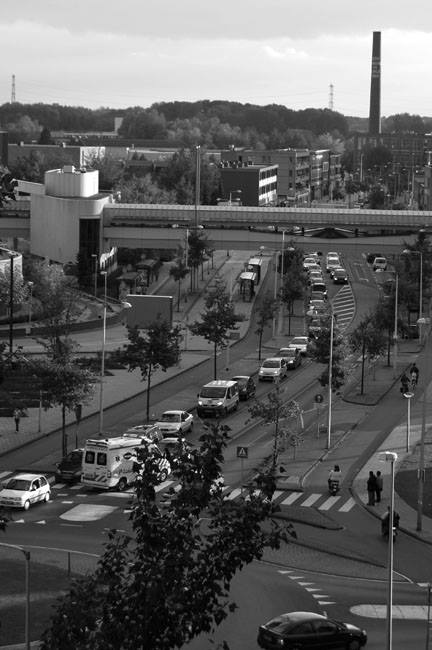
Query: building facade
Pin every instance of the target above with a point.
(255, 184)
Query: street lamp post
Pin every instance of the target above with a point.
(95, 257)
(282, 270)
(30, 286)
(395, 331)
(102, 375)
(408, 395)
(11, 301)
(330, 380)
(391, 457)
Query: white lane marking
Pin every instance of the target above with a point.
(400, 612)
(163, 485)
(311, 500)
(276, 494)
(59, 486)
(87, 512)
(42, 522)
(67, 502)
(292, 497)
(328, 503)
(62, 494)
(122, 495)
(347, 505)
(326, 602)
(233, 495)
(77, 487)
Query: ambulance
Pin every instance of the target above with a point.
(108, 463)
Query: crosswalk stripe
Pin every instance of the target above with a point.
(233, 495)
(276, 494)
(328, 503)
(292, 497)
(347, 505)
(311, 500)
(163, 485)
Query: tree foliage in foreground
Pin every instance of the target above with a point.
(170, 580)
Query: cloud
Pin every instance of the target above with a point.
(227, 19)
(286, 53)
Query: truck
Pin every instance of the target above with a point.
(110, 463)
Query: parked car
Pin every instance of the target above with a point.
(272, 369)
(309, 630)
(315, 276)
(174, 422)
(340, 276)
(314, 328)
(299, 342)
(319, 286)
(149, 431)
(316, 306)
(69, 469)
(24, 490)
(332, 263)
(308, 262)
(246, 384)
(379, 264)
(292, 357)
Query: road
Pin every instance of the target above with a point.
(78, 519)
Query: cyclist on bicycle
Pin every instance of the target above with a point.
(414, 374)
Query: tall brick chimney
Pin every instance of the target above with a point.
(375, 91)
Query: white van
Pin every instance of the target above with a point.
(218, 397)
(109, 463)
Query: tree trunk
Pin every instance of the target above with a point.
(215, 361)
(64, 435)
(178, 296)
(148, 394)
(260, 345)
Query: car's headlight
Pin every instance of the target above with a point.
(219, 403)
(200, 402)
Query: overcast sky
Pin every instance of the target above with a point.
(136, 52)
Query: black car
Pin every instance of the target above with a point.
(309, 630)
(246, 386)
(69, 469)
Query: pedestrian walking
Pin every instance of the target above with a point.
(379, 486)
(414, 374)
(17, 418)
(371, 488)
(404, 383)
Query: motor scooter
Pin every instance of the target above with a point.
(385, 529)
(333, 486)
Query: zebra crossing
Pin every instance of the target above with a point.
(321, 501)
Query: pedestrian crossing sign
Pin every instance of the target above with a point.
(242, 452)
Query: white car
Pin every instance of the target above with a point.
(379, 264)
(175, 422)
(300, 343)
(23, 490)
(273, 369)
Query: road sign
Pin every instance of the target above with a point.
(242, 452)
(319, 398)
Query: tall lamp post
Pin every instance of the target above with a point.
(95, 258)
(30, 286)
(102, 375)
(11, 301)
(420, 318)
(395, 330)
(330, 380)
(390, 457)
(408, 395)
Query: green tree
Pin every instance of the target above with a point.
(319, 350)
(178, 272)
(293, 288)
(63, 383)
(265, 313)
(368, 339)
(217, 320)
(45, 136)
(56, 294)
(169, 581)
(198, 243)
(275, 409)
(155, 347)
(142, 189)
